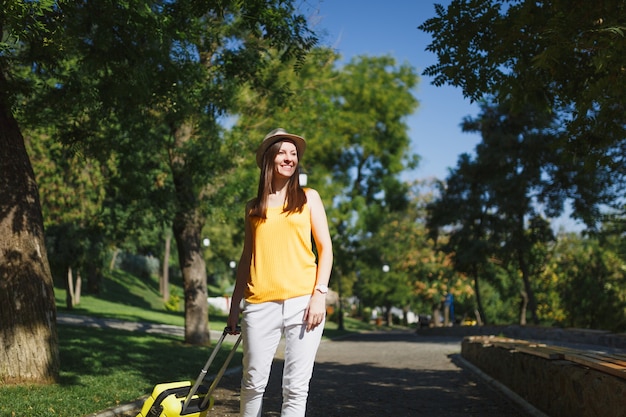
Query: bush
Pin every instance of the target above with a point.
(173, 303)
(138, 265)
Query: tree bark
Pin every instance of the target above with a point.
(528, 294)
(187, 231)
(523, 308)
(78, 287)
(165, 277)
(28, 333)
(69, 289)
(481, 318)
(187, 228)
(389, 316)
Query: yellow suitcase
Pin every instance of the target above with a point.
(168, 400)
(178, 399)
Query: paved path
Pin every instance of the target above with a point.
(399, 374)
(370, 374)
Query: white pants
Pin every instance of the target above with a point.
(262, 326)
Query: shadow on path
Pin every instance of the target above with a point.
(384, 374)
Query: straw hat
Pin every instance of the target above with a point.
(277, 135)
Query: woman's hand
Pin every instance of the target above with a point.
(233, 319)
(316, 311)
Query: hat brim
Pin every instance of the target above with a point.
(267, 142)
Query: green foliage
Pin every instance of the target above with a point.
(142, 88)
(489, 204)
(418, 276)
(592, 285)
(560, 58)
(174, 302)
(141, 266)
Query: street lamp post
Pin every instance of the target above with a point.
(340, 312)
(389, 320)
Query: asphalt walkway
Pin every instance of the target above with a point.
(395, 373)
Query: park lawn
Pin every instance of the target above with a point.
(102, 368)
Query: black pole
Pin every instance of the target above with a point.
(340, 321)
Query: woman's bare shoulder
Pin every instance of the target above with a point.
(312, 196)
(311, 191)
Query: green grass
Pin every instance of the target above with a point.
(124, 297)
(102, 368)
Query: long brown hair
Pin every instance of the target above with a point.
(295, 198)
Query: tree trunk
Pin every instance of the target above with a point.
(187, 230)
(481, 318)
(165, 277)
(78, 288)
(113, 259)
(28, 333)
(94, 278)
(523, 307)
(389, 317)
(187, 227)
(69, 289)
(529, 296)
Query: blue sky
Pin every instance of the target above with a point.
(389, 27)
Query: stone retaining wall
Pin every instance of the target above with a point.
(559, 388)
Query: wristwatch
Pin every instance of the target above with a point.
(322, 288)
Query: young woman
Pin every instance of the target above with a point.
(281, 282)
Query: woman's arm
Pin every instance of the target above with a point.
(243, 274)
(321, 235)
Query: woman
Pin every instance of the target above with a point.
(282, 284)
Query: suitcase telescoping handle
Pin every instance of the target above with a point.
(204, 370)
(222, 370)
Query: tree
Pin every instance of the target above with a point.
(72, 192)
(592, 284)
(496, 196)
(560, 57)
(416, 276)
(463, 211)
(112, 78)
(27, 307)
(182, 82)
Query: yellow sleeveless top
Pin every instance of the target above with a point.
(283, 263)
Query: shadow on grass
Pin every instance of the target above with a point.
(101, 352)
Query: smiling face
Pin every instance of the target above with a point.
(286, 160)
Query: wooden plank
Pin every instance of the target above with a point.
(618, 359)
(606, 357)
(506, 345)
(600, 365)
(494, 341)
(563, 350)
(507, 340)
(540, 351)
